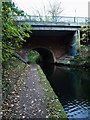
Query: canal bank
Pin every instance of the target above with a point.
(72, 86)
(32, 97)
(54, 107)
(81, 60)
(74, 62)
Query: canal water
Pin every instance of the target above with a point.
(72, 87)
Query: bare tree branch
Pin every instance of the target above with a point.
(54, 10)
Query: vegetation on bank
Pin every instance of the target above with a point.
(12, 70)
(82, 59)
(13, 36)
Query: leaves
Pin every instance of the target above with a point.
(33, 56)
(13, 35)
(85, 40)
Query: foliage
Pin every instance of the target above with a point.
(85, 40)
(13, 35)
(83, 58)
(33, 56)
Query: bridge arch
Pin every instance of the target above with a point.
(46, 55)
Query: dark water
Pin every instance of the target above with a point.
(72, 86)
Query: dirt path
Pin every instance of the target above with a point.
(28, 98)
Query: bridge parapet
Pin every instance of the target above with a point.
(54, 19)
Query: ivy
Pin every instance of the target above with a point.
(85, 35)
(13, 36)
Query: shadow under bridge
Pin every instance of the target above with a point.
(46, 56)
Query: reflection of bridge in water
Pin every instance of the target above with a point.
(56, 36)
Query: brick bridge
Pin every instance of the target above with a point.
(52, 39)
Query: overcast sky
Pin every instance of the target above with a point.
(78, 8)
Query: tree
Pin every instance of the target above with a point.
(13, 35)
(54, 10)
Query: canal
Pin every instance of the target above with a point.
(72, 86)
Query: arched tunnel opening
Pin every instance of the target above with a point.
(45, 55)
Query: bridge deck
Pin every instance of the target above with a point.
(51, 26)
(53, 23)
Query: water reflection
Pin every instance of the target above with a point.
(72, 86)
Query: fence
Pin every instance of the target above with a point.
(53, 19)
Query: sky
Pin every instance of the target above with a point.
(74, 8)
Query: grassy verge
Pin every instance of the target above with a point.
(54, 107)
(11, 73)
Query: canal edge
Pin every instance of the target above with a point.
(54, 107)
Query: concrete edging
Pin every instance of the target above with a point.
(54, 107)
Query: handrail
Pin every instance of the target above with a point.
(52, 19)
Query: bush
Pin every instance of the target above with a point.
(33, 56)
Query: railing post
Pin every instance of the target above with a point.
(74, 19)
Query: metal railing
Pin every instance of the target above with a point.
(52, 19)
